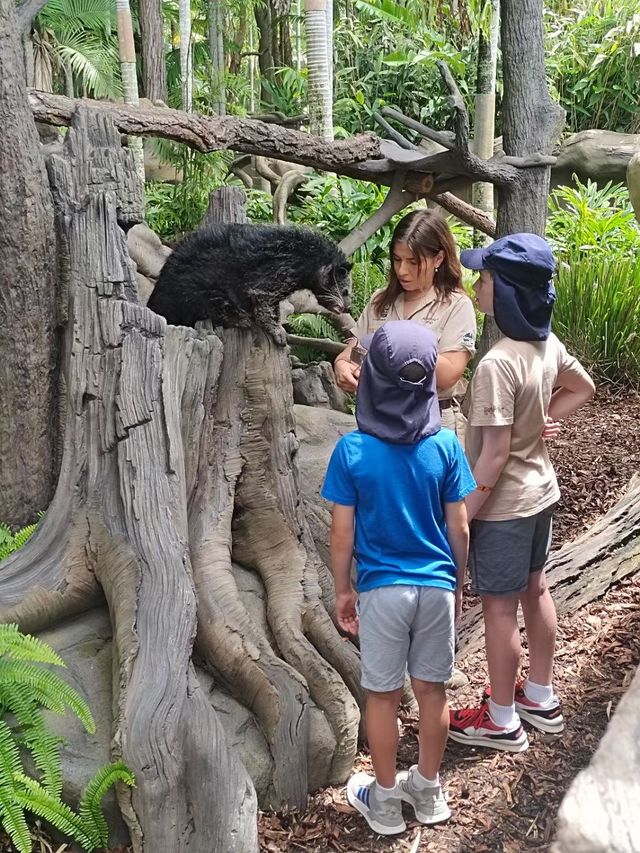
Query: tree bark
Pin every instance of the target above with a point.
(216, 51)
(186, 55)
(179, 451)
(319, 86)
(28, 304)
(262, 13)
(129, 74)
(154, 70)
(485, 111)
(532, 123)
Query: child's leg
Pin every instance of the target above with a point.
(541, 624)
(382, 734)
(502, 643)
(434, 725)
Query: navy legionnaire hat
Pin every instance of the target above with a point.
(397, 399)
(523, 295)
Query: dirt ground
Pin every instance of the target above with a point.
(504, 802)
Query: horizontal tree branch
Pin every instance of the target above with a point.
(213, 133)
(322, 344)
(466, 212)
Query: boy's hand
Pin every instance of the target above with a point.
(346, 611)
(552, 429)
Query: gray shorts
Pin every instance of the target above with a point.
(502, 554)
(406, 628)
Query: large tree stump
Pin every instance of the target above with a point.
(179, 450)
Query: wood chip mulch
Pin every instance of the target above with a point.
(508, 803)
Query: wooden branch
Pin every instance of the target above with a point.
(213, 133)
(324, 344)
(394, 134)
(456, 102)
(443, 138)
(397, 199)
(466, 212)
(26, 12)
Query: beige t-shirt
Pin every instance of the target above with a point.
(513, 384)
(452, 320)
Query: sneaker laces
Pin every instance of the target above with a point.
(473, 717)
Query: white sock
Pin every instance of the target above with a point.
(421, 782)
(385, 793)
(502, 715)
(540, 693)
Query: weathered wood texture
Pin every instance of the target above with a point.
(28, 305)
(600, 813)
(179, 450)
(584, 569)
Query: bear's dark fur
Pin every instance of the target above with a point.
(237, 275)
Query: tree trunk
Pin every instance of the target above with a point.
(28, 305)
(129, 75)
(216, 51)
(485, 112)
(320, 98)
(154, 70)
(264, 22)
(186, 55)
(532, 123)
(179, 451)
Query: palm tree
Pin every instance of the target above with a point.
(129, 75)
(186, 62)
(75, 50)
(320, 95)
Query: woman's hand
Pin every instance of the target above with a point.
(347, 374)
(346, 611)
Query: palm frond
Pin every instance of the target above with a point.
(31, 795)
(90, 809)
(26, 647)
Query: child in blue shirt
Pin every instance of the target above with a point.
(398, 485)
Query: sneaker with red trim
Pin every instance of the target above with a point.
(544, 716)
(475, 727)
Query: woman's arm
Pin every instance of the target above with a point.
(347, 373)
(450, 367)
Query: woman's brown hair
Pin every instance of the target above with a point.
(425, 233)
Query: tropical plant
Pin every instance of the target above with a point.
(593, 50)
(586, 218)
(75, 48)
(27, 686)
(10, 541)
(597, 314)
(173, 210)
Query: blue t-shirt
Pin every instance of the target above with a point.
(399, 492)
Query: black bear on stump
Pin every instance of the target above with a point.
(236, 275)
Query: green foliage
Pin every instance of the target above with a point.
(597, 314)
(26, 687)
(586, 218)
(172, 210)
(10, 542)
(592, 58)
(311, 326)
(75, 45)
(366, 278)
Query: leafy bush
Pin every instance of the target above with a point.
(585, 218)
(597, 314)
(26, 687)
(592, 58)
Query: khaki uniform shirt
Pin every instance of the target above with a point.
(453, 321)
(512, 385)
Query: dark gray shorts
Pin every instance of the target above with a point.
(502, 554)
(404, 628)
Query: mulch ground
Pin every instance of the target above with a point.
(502, 802)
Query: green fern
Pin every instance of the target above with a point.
(26, 687)
(10, 542)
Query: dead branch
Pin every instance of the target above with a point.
(466, 212)
(323, 344)
(397, 199)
